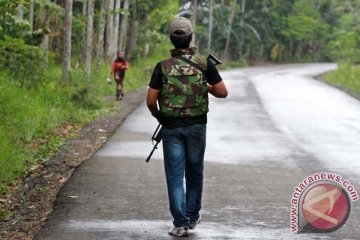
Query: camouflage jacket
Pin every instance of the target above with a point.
(184, 92)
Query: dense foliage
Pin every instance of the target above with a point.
(272, 30)
(25, 63)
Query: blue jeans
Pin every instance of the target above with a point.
(184, 149)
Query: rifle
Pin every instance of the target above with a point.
(213, 59)
(157, 136)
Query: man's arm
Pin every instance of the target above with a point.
(155, 86)
(218, 90)
(151, 100)
(216, 85)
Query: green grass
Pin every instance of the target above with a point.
(346, 76)
(4, 214)
(30, 114)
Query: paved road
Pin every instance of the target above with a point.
(277, 127)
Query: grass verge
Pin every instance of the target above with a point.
(347, 77)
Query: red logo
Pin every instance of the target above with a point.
(325, 207)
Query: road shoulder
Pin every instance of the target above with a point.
(32, 201)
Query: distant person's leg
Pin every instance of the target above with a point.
(119, 87)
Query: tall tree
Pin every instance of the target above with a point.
(230, 23)
(67, 39)
(241, 43)
(20, 9)
(45, 40)
(211, 20)
(109, 44)
(116, 24)
(84, 6)
(89, 37)
(100, 43)
(83, 31)
(31, 15)
(124, 27)
(134, 30)
(194, 7)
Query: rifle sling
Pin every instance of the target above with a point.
(191, 63)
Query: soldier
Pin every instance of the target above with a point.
(118, 70)
(180, 85)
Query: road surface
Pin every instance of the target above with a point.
(277, 127)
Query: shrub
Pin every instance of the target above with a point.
(24, 63)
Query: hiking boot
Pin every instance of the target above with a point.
(179, 231)
(193, 225)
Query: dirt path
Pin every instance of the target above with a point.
(32, 201)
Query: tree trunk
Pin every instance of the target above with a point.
(89, 38)
(67, 39)
(124, 27)
(84, 6)
(243, 5)
(83, 30)
(210, 25)
(116, 25)
(228, 37)
(109, 44)
(100, 44)
(134, 32)
(194, 6)
(291, 49)
(45, 40)
(31, 15)
(133, 39)
(20, 11)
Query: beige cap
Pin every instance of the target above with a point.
(181, 24)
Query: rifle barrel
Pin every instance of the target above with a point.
(151, 153)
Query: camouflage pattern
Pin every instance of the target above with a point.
(184, 92)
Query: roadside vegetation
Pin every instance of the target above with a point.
(56, 55)
(344, 48)
(38, 115)
(347, 77)
(39, 108)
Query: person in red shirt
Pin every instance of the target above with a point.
(118, 70)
